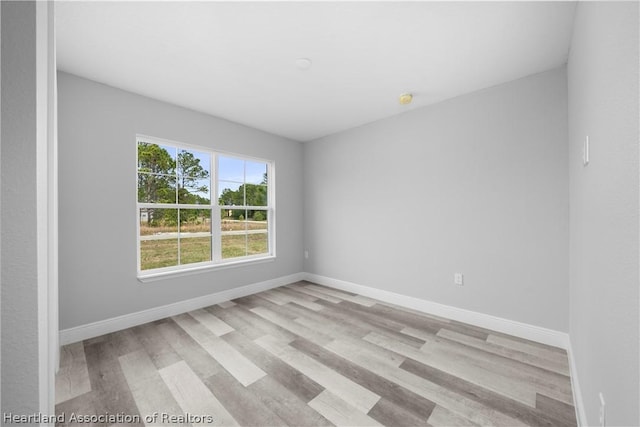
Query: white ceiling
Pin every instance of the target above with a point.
(237, 60)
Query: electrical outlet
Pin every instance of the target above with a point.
(603, 420)
(458, 279)
(306, 254)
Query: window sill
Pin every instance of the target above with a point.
(152, 277)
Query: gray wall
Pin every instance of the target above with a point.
(18, 201)
(97, 152)
(476, 184)
(603, 103)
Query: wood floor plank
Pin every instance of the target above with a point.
(323, 322)
(521, 374)
(300, 299)
(525, 413)
(419, 322)
(249, 301)
(286, 405)
(560, 411)
(112, 393)
(544, 380)
(233, 316)
(357, 299)
(226, 304)
(331, 328)
(155, 345)
(293, 292)
(391, 392)
(457, 364)
(546, 347)
(83, 404)
(544, 352)
(314, 293)
(125, 342)
(193, 396)
(340, 412)
(348, 312)
(275, 297)
(360, 328)
(259, 300)
(454, 402)
(396, 321)
(211, 322)
(389, 414)
(227, 356)
(147, 387)
(352, 393)
(243, 404)
(324, 288)
(263, 325)
(293, 327)
(424, 322)
(189, 350)
(414, 311)
(293, 380)
(518, 355)
(504, 353)
(72, 379)
(442, 417)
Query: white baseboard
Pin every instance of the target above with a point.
(95, 329)
(581, 415)
(511, 327)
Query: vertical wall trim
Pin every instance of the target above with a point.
(0, 198)
(46, 375)
(52, 127)
(581, 416)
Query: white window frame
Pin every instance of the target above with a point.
(217, 262)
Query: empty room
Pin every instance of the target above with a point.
(321, 213)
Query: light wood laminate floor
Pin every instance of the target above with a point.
(308, 355)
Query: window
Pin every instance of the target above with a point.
(198, 208)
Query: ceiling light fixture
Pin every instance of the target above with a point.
(303, 63)
(405, 98)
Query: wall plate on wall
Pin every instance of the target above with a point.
(585, 151)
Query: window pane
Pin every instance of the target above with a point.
(195, 222)
(195, 235)
(233, 219)
(158, 238)
(256, 195)
(154, 158)
(194, 164)
(256, 172)
(156, 188)
(230, 169)
(158, 253)
(159, 222)
(194, 191)
(258, 219)
(258, 233)
(195, 249)
(230, 193)
(233, 230)
(234, 245)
